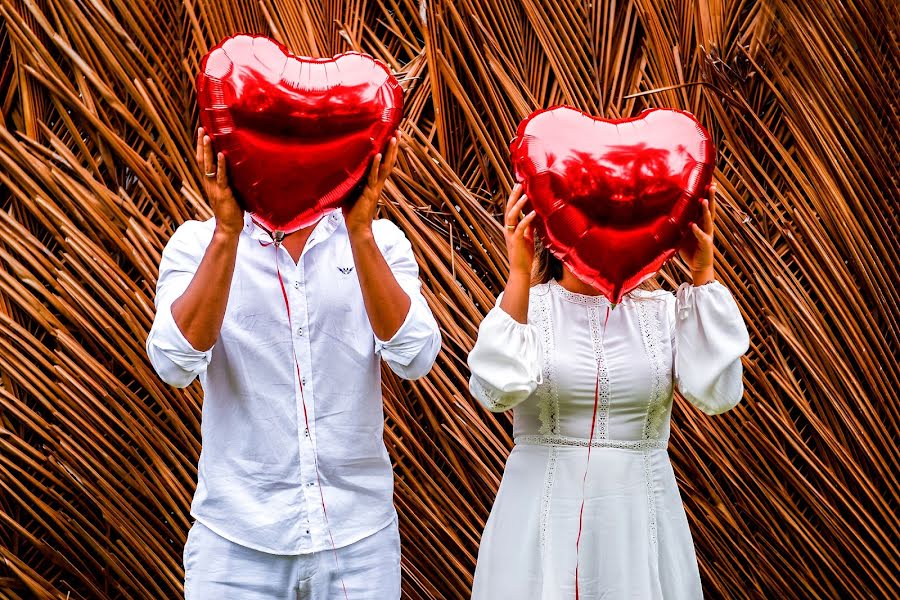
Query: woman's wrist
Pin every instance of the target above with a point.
(703, 276)
(515, 296)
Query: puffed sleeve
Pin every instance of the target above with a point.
(708, 339)
(412, 350)
(505, 362)
(171, 354)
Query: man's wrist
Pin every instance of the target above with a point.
(225, 236)
(360, 233)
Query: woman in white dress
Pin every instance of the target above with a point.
(557, 356)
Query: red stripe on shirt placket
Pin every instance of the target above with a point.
(278, 236)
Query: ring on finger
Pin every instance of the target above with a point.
(511, 227)
(213, 174)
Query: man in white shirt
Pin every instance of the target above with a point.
(295, 489)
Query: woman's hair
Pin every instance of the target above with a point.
(547, 267)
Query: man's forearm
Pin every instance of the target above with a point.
(199, 312)
(387, 304)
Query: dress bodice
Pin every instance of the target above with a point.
(622, 355)
(633, 355)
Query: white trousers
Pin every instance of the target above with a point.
(218, 569)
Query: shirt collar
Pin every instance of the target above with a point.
(323, 228)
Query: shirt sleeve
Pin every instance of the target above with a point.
(172, 356)
(505, 362)
(411, 351)
(708, 339)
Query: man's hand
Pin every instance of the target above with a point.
(229, 216)
(200, 310)
(386, 302)
(361, 213)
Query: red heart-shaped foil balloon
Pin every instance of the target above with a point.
(298, 133)
(613, 198)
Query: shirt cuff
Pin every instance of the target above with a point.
(413, 335)
(170, 341)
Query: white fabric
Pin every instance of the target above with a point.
(635, 542)
(257, 481)
(216, 568)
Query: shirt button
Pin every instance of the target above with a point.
(299, 331)
(297, 285)
(303, 380)
(311, 483)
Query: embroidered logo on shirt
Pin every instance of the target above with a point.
(345, 270)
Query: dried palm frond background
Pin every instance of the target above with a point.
(794, 494)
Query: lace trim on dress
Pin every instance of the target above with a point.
(493, 401)
(651, 328)
(547, 497)
(651, 501)
(562, 440)
(548, 399)
(602, 373)
(585, 299)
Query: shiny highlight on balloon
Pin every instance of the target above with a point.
(298, 133)
(614, 198)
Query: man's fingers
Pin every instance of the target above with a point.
(373, 172)
(388, 165)
(198, 153)
(221, 174)
(208, 164)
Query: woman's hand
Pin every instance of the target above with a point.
(520, 249)
(361, 213)
(697, 249)
(519, 233)
(229, 215)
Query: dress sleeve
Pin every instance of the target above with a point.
(505, 362)
(708, 339)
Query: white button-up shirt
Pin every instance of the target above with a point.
(257, 483)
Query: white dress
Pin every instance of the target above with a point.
(636, 543)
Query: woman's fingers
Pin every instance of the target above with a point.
(512, 215)
(514, 196)
(698, 232)
(707, 218)
(524, 227)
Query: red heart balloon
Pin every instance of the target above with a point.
(298, 133)
(613, 198)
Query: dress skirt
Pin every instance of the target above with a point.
(635, 541)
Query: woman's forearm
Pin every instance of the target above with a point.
(200, 310)
(515, 296)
